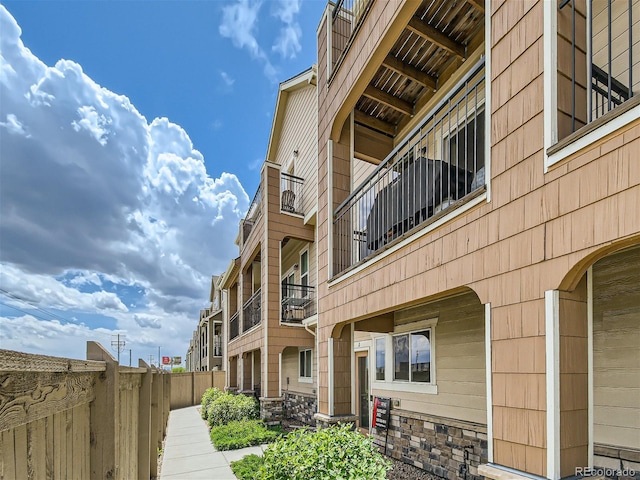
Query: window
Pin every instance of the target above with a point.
(380, 358)
(304, 272)
(412, 357)
(305, 364)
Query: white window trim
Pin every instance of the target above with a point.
(550, 77)
(391, 385)
(305, 250)
(308, 379)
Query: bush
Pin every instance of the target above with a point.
(330, 453)
(227, 408)
(243, 433)
(209, 396)
(248, 467)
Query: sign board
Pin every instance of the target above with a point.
(166, 360)
(177, 360)
(381, 411)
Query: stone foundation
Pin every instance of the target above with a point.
(271, 410)
(300, 408)
(444, 447)
(325, 421)
(616, 463)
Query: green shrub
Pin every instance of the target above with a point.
(209, 396)
(331, 453)
(248, 467)
(243, 433)
(227, 407)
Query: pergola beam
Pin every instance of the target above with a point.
(374, 123)
(389, 100)
(436, 37)
(477, 4)
(407, 70)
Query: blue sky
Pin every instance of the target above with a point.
(131, 133)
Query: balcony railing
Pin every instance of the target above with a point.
(234, 326)
(217, 346)
(291, 196)
(298, 302)
(347, 15)
(252, 311)
(440, 162)
(252, 215)
(610, 58)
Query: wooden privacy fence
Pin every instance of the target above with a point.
(76, 419)
(187, 388)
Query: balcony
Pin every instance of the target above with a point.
(345, 20)
(298, 302)
(217, 346)
(611, 55)
(291, 196)
(252, 311)
(234, 326)
(252, 215)
(430, 172)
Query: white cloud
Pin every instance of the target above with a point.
(14, 126)
(288, 42)
(96, 192)
(239, 24)
(226, 78)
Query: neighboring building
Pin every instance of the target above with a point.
(206, 348)
(271, 286)
(478, 232)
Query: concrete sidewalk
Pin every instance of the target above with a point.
(188, 452)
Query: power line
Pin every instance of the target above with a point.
(36, 307)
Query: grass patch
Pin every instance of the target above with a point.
(243, 433)
(248, 467)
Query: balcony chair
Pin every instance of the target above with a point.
(288, 201)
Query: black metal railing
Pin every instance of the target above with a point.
(346, 17)
(298, 302)
(217, 346)
(252, 215)
(439, 162)
(291, 193)
(610, 58)
(234, 326)
(251, 312)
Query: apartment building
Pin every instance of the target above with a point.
(206, 348)
(271, 287)
(478, 232)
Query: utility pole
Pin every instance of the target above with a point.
(160, 359)
(118, 343)
(129, 357)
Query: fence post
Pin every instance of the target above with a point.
(144, 425)
(193, 388)
(156, 437)
(104, 415)
(166, 402)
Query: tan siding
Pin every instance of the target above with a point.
(616, 357)
(290, 369)
(460, 358)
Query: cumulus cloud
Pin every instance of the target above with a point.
(89, 185)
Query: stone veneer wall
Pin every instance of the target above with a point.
(442, 446)
(300, 407)
(616, 463)
(271, 410)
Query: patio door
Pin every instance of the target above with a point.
(362, 390)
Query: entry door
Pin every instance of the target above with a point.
(362, 390)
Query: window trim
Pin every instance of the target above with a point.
(375, 359)
(408, 335)
(304, 274)
(389, 384)
(301, 378)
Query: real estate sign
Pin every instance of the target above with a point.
(381, 408)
